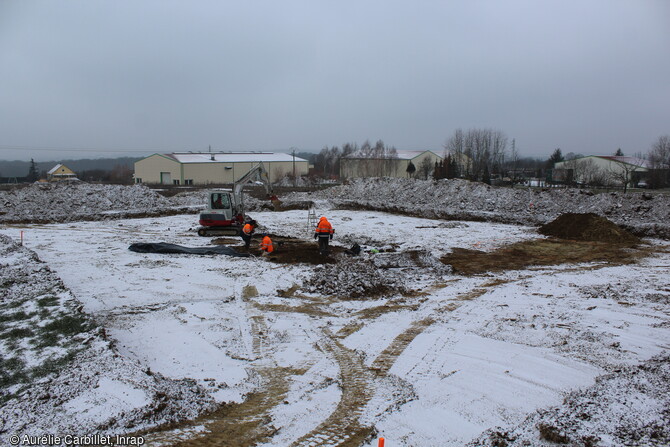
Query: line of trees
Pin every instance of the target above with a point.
(481, 154)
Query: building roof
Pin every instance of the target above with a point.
(633, 161)
(230, 157)
(409, 155)
(641, 162)
(401, 155)
(54, 169)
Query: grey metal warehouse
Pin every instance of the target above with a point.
(203, 168)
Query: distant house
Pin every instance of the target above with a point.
(355, 166)
(60, 172)
(203, 168)
(602, 170)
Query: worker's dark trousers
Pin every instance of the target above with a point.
(323, 244)
(247, 239)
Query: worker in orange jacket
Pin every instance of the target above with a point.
(324, 232)
(247, 232)
(266, 245)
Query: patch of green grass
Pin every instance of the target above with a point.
(12, 371)
(68, 325)
(64, 327)
(15, 316)
(16, 303)
(12, 345)
(45, 339)
(48, 301)
(44, 314)
(19, 332)
(53, 365)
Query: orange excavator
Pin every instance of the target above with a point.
(224, 215)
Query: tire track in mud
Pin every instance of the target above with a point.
(259, 330)
(249, 423)
(238, 424)
(385, 360)
(343, 427)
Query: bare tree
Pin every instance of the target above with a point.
(621, 173)
(121, 174)
(378, 160)
(333, 165)
(425, 168)
(455, 147)
(513, 162)
(477, 151)
(498, 153)
(659, 160)
(324, 158)
(585, 171)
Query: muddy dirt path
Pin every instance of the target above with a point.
(237, 425)
(249, 423)
(233, 425)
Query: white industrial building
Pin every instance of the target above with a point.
(204, 168)
(354, 166)
(602, 170)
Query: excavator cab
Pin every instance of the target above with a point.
(219, 200)
(223, 216)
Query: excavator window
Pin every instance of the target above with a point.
(220, 201)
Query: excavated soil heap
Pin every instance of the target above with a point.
(588, 227)
(576, 238)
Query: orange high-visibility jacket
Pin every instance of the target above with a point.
(266, 245)
(324, 227)
(247, 229)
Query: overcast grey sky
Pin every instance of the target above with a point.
(131, 78)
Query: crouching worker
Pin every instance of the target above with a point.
(324, 232)
(247, 231)
(266, 245)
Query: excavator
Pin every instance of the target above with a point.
(224, 215)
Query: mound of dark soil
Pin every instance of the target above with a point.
(588, 227)
(542, 252)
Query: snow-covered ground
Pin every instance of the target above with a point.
(438, 364)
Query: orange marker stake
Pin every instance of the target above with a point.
(381, 442)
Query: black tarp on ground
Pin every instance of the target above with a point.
(164, 247)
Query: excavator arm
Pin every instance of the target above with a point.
(257, 174)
